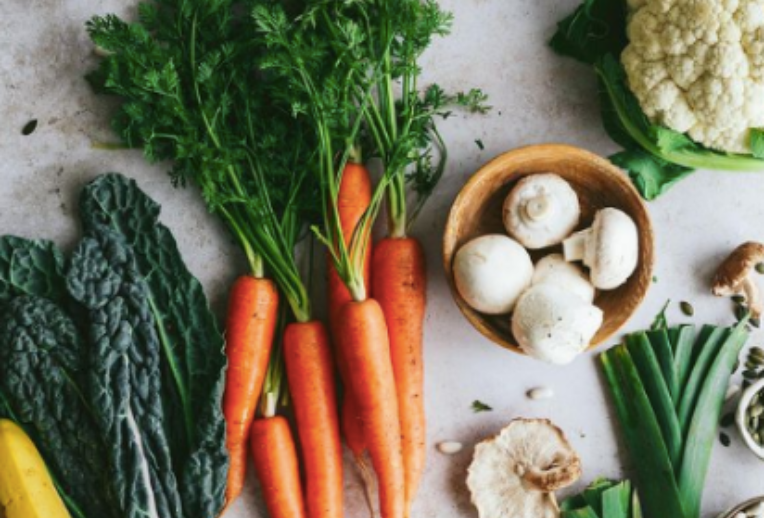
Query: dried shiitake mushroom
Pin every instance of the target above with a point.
(515, 474)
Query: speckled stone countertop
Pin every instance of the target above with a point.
(537, 97)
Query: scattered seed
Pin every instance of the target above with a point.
(755, 322)
(749, 365)
(655, 278)
(756, 410)
(29, 127)
(741, 312)
(728, 420)
(687, 308)
(738, 299)
(760, 268)
(750, 374)
(449, 447)
(540, 393)
(757, 351)
(724, 439)
(757, 361)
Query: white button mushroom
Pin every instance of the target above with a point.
(491, 272)
(554, 325)
(541, 211)
(553, 269)
(610, 248)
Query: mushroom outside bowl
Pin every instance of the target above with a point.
(477, 211)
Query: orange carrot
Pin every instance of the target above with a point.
(353, 199)
(399, 283)
(366, 347)
(275, 458)
(250, 326)
(310, 373)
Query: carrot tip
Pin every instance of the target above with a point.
(367, 477)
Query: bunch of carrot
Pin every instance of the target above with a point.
(265, 122)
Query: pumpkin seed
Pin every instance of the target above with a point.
(760, 268)
(687, 308)
(449, 447)
(751, 366)
(738, 299)
(541, 393)
(724, 439)
(753, 424)
(740, 312)
(750, 374)
(29, 127)
(757, 351)
(755, 322)
(756, 410)
(756, 360)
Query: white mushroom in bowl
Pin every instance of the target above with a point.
(515, 474)
(541, 211)
(553, 324)
(491, 272)
(610, 248)
(553, 269)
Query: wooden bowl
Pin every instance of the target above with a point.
(477, 211)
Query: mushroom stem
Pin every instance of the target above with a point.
(538, 208)
(752, 295)
(574, 248)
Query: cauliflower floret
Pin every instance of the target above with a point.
(697, 66)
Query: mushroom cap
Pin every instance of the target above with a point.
(491, 272)
(613, 253)
(541, 211)
(734, 270)
(554, 269)
(514, 474)
(554, 325)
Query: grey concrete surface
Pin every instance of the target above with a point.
(537, 97)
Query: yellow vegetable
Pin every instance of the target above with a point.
(26, 489)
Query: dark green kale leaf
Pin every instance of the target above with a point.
(30, 268)
(189, 342)
(123, 378)
(43, 367)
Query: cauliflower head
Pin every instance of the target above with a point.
(697, 66)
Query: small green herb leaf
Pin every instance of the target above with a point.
(478, 406)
